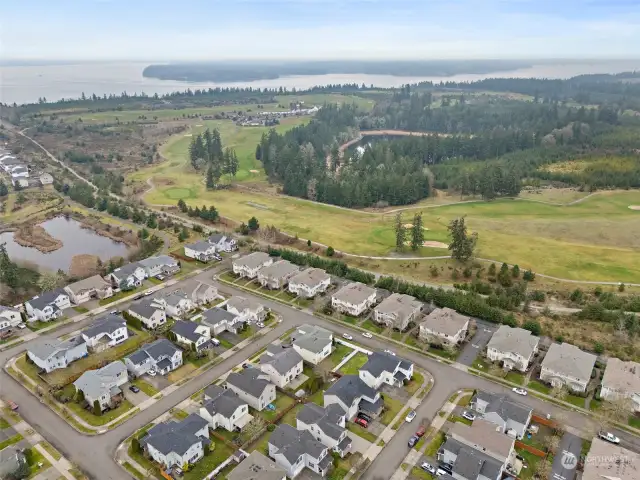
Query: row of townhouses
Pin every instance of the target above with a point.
(206, 250)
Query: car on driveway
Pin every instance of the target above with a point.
(347, 336)
(22, 326)
(410, 416)
(260, 325)
(390, 352)
(469, 416)
(427, 467)
(367, 335)
(440, 472)
(151, 373)
(160, 277)
(413, 440)
(519, 391)
(12, 405)
(362, 422)
(134, 389)
(609, 437)
(365, 416)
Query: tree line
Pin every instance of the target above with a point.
(205, 151)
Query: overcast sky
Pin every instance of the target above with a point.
(318, 29)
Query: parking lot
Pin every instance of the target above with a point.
(477, 344)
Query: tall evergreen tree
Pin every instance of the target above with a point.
(4, 191)
(211, 184)
(417, 232)
(401, 232)
(462, 244)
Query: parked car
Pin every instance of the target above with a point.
(609, 437)
(367, 335)
(446, 467)
(260, 325)
(365, 416)
(440, 472)
(362, 422)
(413, 440)
(428, 468)
(160, 277)
(134, 389)
(469, 416)
(347, 336)
(152, 373)
(115, 312)
(519, 391)
(390, 352)
(246, 365)
(22, 326)
(13, 405)
(410, 416)
(146, 294)
(421, 431)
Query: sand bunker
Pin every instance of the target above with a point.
(634, 207)
(254, 171)
(258, 205)
(200, 125)
(410, 225)
(434, 244)
(188, 135)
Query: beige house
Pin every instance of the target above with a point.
(354, 299)
(277, 275)
(515, 347)
(397, 310)
(567, 365)
(309, 283)
(446, 325)
(249, 265)
(621, 380)
(85, 290)
(611, 462)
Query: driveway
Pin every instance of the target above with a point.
(566, 458)
(477, 343)
(160, 382)
(135, 398)
(358, 444)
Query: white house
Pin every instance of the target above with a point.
(161, 356)
(198, 292)
(223, 408)
(201, 250)
(309, 283)
(354, 299)
(282, 365)
(445, 325)
(277, 275)
(46, 179)
(295, 450)
(221, 320)
(246, 308)
(352, 395)
(103, 384)
(189, 333)
(223, 243)
(253, 387)
(131, 275)
(512, 417)
(249, 265)
(47, 306)
(385, 368)
(313, 343)
(9, 317)
(177, 443)
(159, 265)
(567, 365)
(176, 304)
(149, 311)
(514, 347)
(50, 355)
(327, 425)
(397, 310)
(92, 287)
(621, 380)
(107, 332)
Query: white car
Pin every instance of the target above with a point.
(469, 416)
(428, 468)
(609, 437)
(260, 325)
(519, 391)
(347, 336)
(22, 325)
(390, 352)
(151, 373)
(410, 416)
(367, 335)
(440, 472)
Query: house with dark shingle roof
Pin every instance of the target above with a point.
(253, 387)
(132, 275)
(52, 354)
(161, 356)
(294, 450)
(282, 366)
(189, 333)
(500, 410)
(327, 424)
(223, 408)
(47, 306)
(221, 320)
(149, 311)
(106, 332)
(351, 394)
(313, 343)
(383, 367)
(257, 467)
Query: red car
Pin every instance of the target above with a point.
(362, 422)
(421, 431)
(12, 405)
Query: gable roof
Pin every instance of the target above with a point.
(153, 350)
(325, 418)
(257, 467)
(399, 304)
(569, 360)
(44, 348)
(199, 246)
(158, 261)
(186, 330)
(93, 383)
(253, 260)
(174, 436)
(107, 324)
(279, 269)
(471, 463)
(513, 340)
(292, 443)
(282, 361)
(348, 388)
(310, 277)
(95, 282)
(174, 298)
(615, 462)
(46, 298)
(241, 303)
(145, 307)
(217, 238)
(126, 270)
(250, 380)
(222, 400)
(504, 407)
(445, 320)
(313, 338)
(484, 434)
(379, 362)
(8, 309)
(354, 293)
(622, 376)
(215, 315)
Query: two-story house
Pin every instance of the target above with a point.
(246, 309)
(200, 250)
(192, 333)
(294, 450)
(313, 343)
(354, 299)
(309, 283)
(249, 265)
(282, 365)
(220, 320)
(103, 384)
(47, 306)
(177, 443)
(176, 304)
(161, 356)
(277, 275)
(512, 417)
(397, 310)
(621, 380)
(9, 317)
(352, 395)
(327, 425)
(130, 275)
(514, 347)
(567, 365)
(382, 367)
(444, 325)
(223, 408)
(198, 292)
(92, 287)
(149, 311)
(159, 265)
(253, 387)
(106, 332)
(50, 355)
(257, 467)
(223, 243)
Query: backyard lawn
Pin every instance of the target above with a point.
(339, 352)
(282, 401)
(355, 363)
(262, 444)
(290, 417)
(207, 464)
(530, 460)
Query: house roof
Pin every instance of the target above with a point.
(400, 305)
(485, 435)
(257, 467)
(195, 288)
(174, 436)
(325, 418)
(279, 269)
(8, 309)
(379, 362)
(514, 340)
(615, 462)
(12, 457)
(504, 407)
(310, 277)
(222, 400)
(126, 270)
(622, 376)
(199, 246)
(44, 348)
(293, 443)
(174, 298)
(46, 298)
(154, 350)
(250, 380)
(446, 321)
(186, 330)
(93, 383)
(95, 282)
(243, 303)
(253, 260)
(145, 307)
(158, 261)
(569, 360)
(354, 293)
(217, 238)
(282, 361)
(349, 388)
(215, 315)
(107, 324)
(312, 338)
(471, 463)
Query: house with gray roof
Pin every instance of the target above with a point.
(567, 365)
(382, 367)
(200, 250)
(176, 304)
(614, 462)
(249, 265)
(246, 308)
(621, 380)
(189, 333)
(47, 306)
(222, 242)
(351, 394)
(130, 275)
(161, 356)
(511, 417)
(253, 387)
(514, 347)
(257, 467)
(52, 354)
(159, 265)
(309, 283)
(92, 287)
(327, 424)
(223, 408)
(9, 317)
(103, 384)
(199, 293)
(444, 325)
(177, 443)
(221, 320)
(397, 310)
(277, 275)
(354, 299)
(149, 311)
(313, 343)
(106, 332)
(281, 366)
(11, 460)
(294, 450)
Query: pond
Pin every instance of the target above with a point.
(76, 240)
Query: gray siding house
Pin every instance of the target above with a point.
(503, 412)
(253, 387)
(294, 450)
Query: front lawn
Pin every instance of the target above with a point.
(361, 432)
(81, 309)
(98, 420)
(391, 408)
(634, 421)
(349, 319)
(515, 377)
(208, 463)
(118, 296)
(415, 383)
(417, 472)
(145, 387)
(575, 400)
(459, 419)
(3, 423)
(10, 441)
(38, 325)
(36, 462)
(226, 344)
(372, 326)
(538, 387)
(355, 363)
(181, 372)
(247, 332)
(435, 444)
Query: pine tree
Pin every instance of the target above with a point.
(462, 244)
(210, 182)
(4, 191)
(401, 233)
(417, 232)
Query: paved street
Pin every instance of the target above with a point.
(94, 455)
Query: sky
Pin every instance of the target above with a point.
(192, 30)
